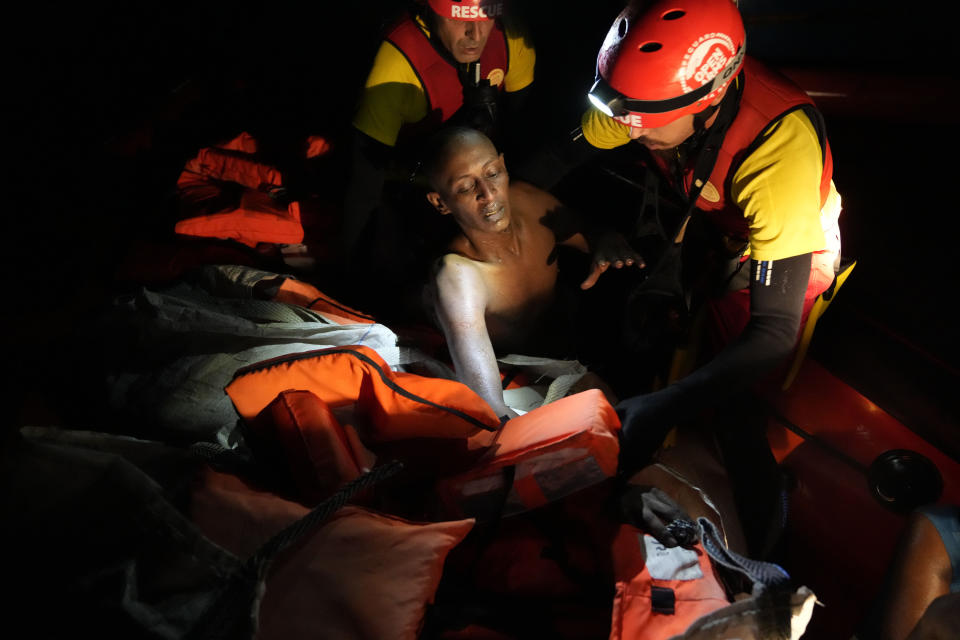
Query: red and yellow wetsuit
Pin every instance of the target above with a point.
(394, 95)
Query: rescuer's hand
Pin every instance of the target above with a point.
(482, 95)
(645, 421)
(610, 249)
(479, 110)
(652, 510)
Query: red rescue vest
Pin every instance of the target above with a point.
(767, 97)
(437, 73)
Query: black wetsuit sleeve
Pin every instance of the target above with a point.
(553, 161)
(515, 103)
(777, 291)
(514, 135)
(368, 165)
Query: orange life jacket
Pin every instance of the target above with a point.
(211, 210)
(256, 218)
(298, 434)
(433, 423)
(439, 424)
(660, 591)
(343, 577)
(234, 166)
(545, 454)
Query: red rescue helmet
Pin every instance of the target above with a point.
(469, 10)
(665, 59)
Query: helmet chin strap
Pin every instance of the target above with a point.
(696, 145)
(700, 119)
(692, 144)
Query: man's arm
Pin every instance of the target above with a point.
(518, 85)
(461, 304)
(571, 229)
(921, 571)
(778, 188)
(368, 162)
(777, 290)
(776, 306)
(392, 96)
(608, 248)
(514, 138)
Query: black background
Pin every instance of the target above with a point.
(105, 101)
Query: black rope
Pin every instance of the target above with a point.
(321, 512)
(214, 453)
(224, 459)
(222, 619)
(816, 440)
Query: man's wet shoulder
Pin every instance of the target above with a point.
(456, 264)
(526, 195)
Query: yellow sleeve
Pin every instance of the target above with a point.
(602, 131)
(778, 189)
(522, 60)
(392, 96)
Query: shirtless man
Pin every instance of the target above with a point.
(491, 290)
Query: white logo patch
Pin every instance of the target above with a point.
(474, 12)
(665, 563)
(704, 59)
(634, 120)
(710, 193)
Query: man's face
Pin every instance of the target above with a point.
(472, 186)
(672, 134)
(666, 137)
(464, 39)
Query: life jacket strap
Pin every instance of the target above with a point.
(762, 575)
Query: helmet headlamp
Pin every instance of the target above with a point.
(616, 105)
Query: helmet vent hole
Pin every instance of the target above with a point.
(622, 28)
(675, 14)
(650, 47)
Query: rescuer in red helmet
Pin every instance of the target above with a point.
(447, 61)
(744, 153)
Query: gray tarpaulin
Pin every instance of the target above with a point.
(95, 542)
(171, 353)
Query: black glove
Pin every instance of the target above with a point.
(479, 110)
(656, 513)
(480, 94)
(645, 421)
